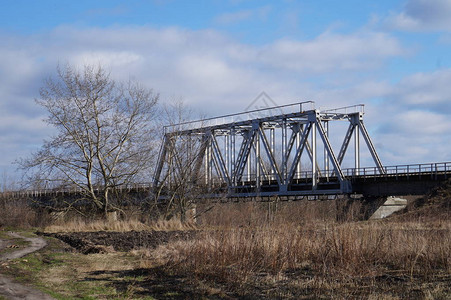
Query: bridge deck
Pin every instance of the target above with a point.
(398, 180)
(414, 179)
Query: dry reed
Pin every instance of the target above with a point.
(348, 250)
(17, 213)
(81, 225)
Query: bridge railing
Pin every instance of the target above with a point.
(346, 109)
(69, 190)
(443, 168)
(239, 117)
(431, 169)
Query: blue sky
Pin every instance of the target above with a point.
(392, 56)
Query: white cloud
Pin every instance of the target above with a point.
(426, 89)
(243, 15)
(413, 119)
(19, 136)
(333, 52)
(422, 15)
(219, 75)
(230, 18)
(422, 123)
(114, 59)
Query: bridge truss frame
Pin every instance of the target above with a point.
(236, 155)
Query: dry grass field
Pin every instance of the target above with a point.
(294, 250)
(334, 261)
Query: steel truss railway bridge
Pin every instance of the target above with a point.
(286, 151)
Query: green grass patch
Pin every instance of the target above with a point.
(4, 235)
(69, 275)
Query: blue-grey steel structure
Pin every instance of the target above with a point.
(278, 151)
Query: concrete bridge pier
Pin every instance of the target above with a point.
(371, 207)
(391, 205)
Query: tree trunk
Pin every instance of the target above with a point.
(105, 203)
(182, 215)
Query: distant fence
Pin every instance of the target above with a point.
(71, 190)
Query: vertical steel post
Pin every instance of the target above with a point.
(314, 170)
(232, 156)
(189, 157)
(284, 149)
(357, 150)
(170, 169)
(298, 144)
(257, 161)
(227, 152)
(249, 159)
(272, 142)
(301, 131)
(208, 164)
(326, 155)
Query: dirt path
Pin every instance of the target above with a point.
(11, 289)
(3, 244)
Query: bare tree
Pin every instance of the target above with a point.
(103, 134)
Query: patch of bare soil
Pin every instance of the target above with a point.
(35, 245)
(14, 290)
(106, 241)
(160, 284)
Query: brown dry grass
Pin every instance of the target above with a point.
(335, 257)
(16, 212)
(261, 213)
(298, 250)
(352, 249)
(81, 225)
